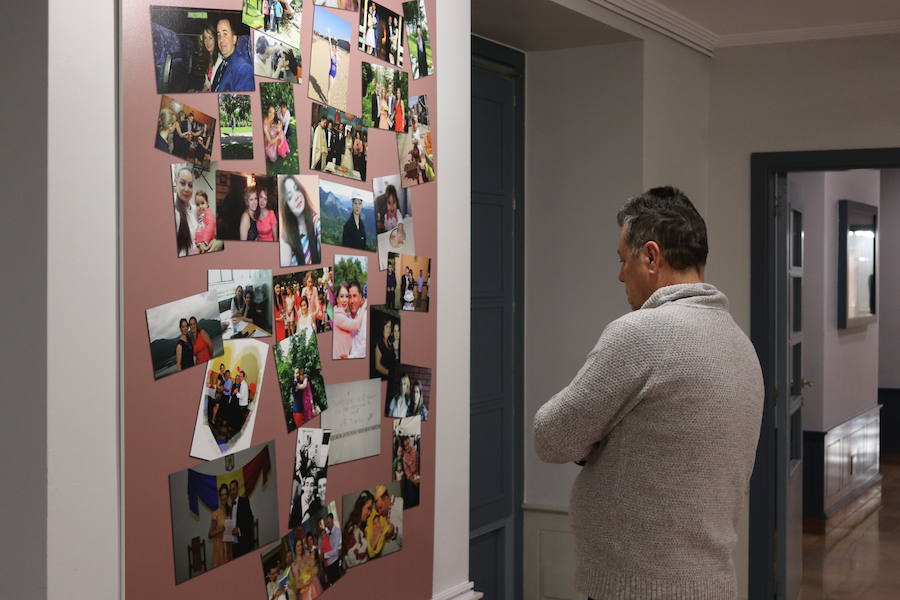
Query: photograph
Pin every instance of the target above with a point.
(301, 234)
(307, 560)
(274, 59)
(373, 523)
(354, 419)
(405, 460)
(184, 333)
(348, 216)
(195, 214)
(400, 240)
(416, 155)
(339, 143)
(418, 109)
(385, 92)
(303, 299)
(279, 127)
(223, 509)
(384, 339)
(310, 475)
(408, 282)
(244, 297)
(235, 127)
(409, 393)
(393, 202)
(300, 379)
(351, 306)
(246, 207)
(418, 38)
(280, 19)
(341, 4)
(229, 399)
(329, 62)
(185, 132)
(381, 32)
(200, 50)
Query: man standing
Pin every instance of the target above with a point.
(242, 516)
(235, 74)
(285, 115)
(332, 564)
(227, 389)
(664, 415)
(392, 106)
(375, 102)
(357, 304)
(243, 397)
(354, 229)
(391, 297)
(329, 139)
(320, 146)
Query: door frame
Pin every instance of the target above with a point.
(764, 166)
(511, 62)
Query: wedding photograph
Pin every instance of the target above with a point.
(244, 297)
(348, 216)
(385, 92)
(329, 63)
(184, 333)
(351, 306)
(408, 282)
(381, 33)
(339, 143)
(195, 214)
(246, 207)
(185, 132)
(299, 369)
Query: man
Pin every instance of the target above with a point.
(392, 105)
(320, 146)
(243, 397)
(329, 140)
(420, 286)
(277, 9)
(235, 74)
(274, 590)
(391, 297)
(354, 229)
(379, 528)
(376, 105)
(227, 388)
(242, 516)
(332, 564)
(664, 416)
(357, 303)
(285, 115)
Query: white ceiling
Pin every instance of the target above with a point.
(730, 17)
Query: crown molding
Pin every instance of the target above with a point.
(804, 34)
(664, 20)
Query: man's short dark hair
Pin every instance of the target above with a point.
(666, 216)
(355, 284)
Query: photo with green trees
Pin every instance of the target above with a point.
(235, 126)
(305, 398)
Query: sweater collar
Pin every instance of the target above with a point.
(699, 294)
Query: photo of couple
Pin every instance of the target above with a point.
(303, 299)
(408, 393)
(339, 143)
(195, 216)
(279, 127)
(185, 132)
(310, 475)
(385, 93)
(222, 510)
(351, 307)
(381, 33)
(373, 524)
(348, 216)
(300, 379)
(184, 333)
(200, 50)
(229, 399)
(245, 301)
(405, 461)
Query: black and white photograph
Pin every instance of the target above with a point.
(184, 333)
(310, 475)
(244, 297)
(354, 419)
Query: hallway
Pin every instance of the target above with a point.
(865, 563)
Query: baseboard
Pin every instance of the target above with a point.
(461, 591)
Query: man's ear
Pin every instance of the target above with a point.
(654, 255)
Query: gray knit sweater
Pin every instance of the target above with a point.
(666, 410)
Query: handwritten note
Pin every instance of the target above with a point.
(354, 418)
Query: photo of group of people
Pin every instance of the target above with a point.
(338, 143)
(246, 207)
(310, 475)
(274, 59)
(244, 297)
(307, 560)
(385, 95)
(416, 155)
(229, 399)
(348, 216)
(329, 64)
(299, 368)
(280, 19)
(235, 126)
(222, 510)
(279, 127)
(408, 282)
(200, 50)
(195, 215)
(351, 306)
(301, 235)
(405, 460)
(184, 333)
(418, 38)
(303, 299)
(185, 132)
(381, 33)
(392, 202)
(373, 523)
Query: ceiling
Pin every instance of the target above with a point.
(536, 25)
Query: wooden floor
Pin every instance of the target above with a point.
(865, 563)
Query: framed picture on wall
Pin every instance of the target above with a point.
(857, 252)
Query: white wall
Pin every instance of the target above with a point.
(851, 355)
(888, 306)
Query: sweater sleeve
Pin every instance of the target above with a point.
(575, 420)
